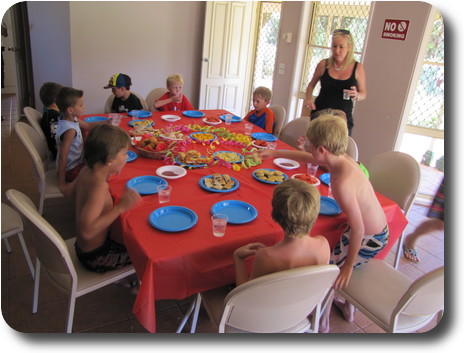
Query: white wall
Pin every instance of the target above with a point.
(146, 40)
(390, 70)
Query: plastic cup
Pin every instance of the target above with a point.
(115, 119)
(248, 128)
(271, 145)
(346, 94)
(228, 119)
(219, 224)
(312, 169)
(164, 193)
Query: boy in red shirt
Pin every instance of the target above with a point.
(174, 99)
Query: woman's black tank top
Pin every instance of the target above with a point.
(331, 94)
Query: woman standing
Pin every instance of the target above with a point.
(343, 79)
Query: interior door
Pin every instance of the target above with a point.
(226, 55)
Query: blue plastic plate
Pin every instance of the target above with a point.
(202, 184)
(325, 178)
(142, 114)
(132, 121)
(238, 211)
(146, 184)
(193, 114)
(264, 136)
(329, 207)
(131, 155)
(235, 118)
(92, 119)
(190, 165)
(238, 154)
(173, 218)
(201, 133)
(268, 182)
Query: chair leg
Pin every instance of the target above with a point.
(26, 254)
(72, 306)
(7, 244)
(35, 297)
(189, 312)
(41, 203)
(399, 251)
(195, 314)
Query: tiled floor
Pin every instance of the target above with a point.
(110, 309)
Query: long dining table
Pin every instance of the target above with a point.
(177, 264)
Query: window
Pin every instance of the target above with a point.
(266, 45)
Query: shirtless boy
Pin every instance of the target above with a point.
(367, 231)
(295, 206)
(105, 153)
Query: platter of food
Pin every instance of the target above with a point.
(269, 176)
(307, 178)
(192, 159)
(212, 121)
(172, 135)
(228, 156)
(219, 183)
(203, 136)
(144, 123)
(259, 144)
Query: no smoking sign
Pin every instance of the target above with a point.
(395, 29)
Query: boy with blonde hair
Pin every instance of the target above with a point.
(367, 231)
(295, 207)
(174, 99)
(262, 116)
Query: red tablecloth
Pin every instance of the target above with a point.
(177, 265)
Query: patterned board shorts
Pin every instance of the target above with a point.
(371, 245)
(437, 209)
(110, 256)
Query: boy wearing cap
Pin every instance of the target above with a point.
(124, 101)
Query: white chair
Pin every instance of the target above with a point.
(395, 175)
(393, 301)
(109, 102)
(38, 151)
(352, 149)
(12, 224)
(33, 117)
(275, 303)
(294, 129)
(153, 95)
(59, 259)
(280, 118)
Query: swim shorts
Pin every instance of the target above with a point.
(371, 245)
(109, 256)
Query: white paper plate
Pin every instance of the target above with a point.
(285, 163)
(170, 118)
(295, 176)
(168, 169)
(211, 122)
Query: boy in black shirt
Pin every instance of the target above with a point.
(124, 101)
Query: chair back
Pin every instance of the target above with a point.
(294, 129)
(280, 118)
(425, 296)
(36, 146)
(33, 117)
(109, 102)
(277, 301)
(50, 246)
(153, 95)
(395, 175)
(352, 149)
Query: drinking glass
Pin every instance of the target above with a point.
(164, 193)
(219, 224)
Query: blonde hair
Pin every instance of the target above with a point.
(173, 79)
(330, 132)
(329, 111)
(264, 92)
(295, 207)
(350, 55)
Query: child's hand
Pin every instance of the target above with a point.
(129, 198)
(177, 99)
(248, 250)
(265, 154)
